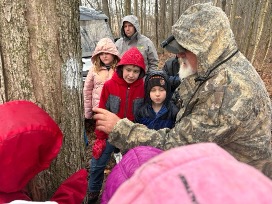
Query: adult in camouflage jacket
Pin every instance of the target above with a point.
(225, 102)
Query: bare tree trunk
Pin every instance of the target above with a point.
(118, 19)
(142, 15)
(157, 23)
(163, 24)
(144, 18)
(127, 7)
(260, 23)
(106, 10)
(41, 62)
(135, 7)
(172, 6)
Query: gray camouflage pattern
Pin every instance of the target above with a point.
(231, 108)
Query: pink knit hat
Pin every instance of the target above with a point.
(131, 161)
(200, 173)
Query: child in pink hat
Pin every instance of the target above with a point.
(199, 173)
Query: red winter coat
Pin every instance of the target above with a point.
(119, 97)
(29, 141)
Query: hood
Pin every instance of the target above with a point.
(131, 57)
(29, 141)
(134, 21)
(105, 45)
(167, 82)
(205, 30)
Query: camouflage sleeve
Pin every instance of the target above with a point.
(203, 124)
(127, 135)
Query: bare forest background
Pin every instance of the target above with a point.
(40, 59)
(251, 21)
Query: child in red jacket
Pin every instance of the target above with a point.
(123, 94)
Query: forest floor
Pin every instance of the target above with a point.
(266, 76)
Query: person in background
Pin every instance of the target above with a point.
(122, 95)
(224, 98)
(104, 60)
(29, 141)
(171, 67)
(158, 111)
(198, 173)
(131, 37)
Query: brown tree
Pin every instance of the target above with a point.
(127, 7)
(40, 61)
(135, 6)
(106, 10)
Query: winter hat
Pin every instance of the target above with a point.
(199, 173)
(105, 45)
(132, 57)
(156, 80)
(131, 161)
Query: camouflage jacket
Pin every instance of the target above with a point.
(226, 102)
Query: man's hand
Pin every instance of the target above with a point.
(105, 120)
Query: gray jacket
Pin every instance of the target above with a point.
(226, 102)
(143, 43)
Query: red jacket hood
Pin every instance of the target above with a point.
(29, 141)
(132, 57)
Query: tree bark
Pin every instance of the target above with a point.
(127, 7)
(106, 10)
(41, 62)
(135, 7)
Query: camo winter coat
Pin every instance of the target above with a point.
(226, 102)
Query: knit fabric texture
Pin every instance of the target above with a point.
(131, 161)
(156, 81)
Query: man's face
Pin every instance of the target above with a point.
(129, 29)
(187, 63)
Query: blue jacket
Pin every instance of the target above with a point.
(166, 117)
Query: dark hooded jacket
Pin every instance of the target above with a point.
(225, 102)
(171, 67)
(166, 116)
(143, 43)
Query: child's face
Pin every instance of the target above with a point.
(157, 95)
(131, 73)
(106, 58)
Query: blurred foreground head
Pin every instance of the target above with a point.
(29, 140)
(198, 173)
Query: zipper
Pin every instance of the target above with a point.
(127, 93)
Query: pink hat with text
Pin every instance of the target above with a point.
(200, 173)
